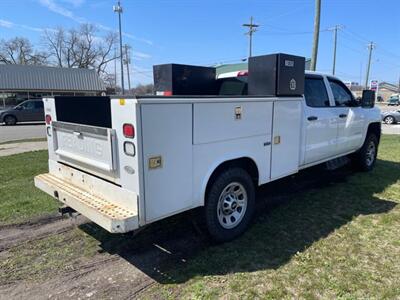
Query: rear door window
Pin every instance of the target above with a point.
(315, 92)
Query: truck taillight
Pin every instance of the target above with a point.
(48, 119)
(164, 93)
(128, 130)
(242, 73)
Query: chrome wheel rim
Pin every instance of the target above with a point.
(389, 120)
(232, 205)
(370, 154)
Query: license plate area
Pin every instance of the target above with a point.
(83, 144)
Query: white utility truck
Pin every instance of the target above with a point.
(125, 162)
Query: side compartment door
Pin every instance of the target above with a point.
(167, 159)
(320, 121)
(349, 117)
(286, 127)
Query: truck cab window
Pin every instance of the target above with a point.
(315, 93)
(341, 94)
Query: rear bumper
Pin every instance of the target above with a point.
(87, 198)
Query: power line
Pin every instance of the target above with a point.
(356, 35)
(252, 28)
(289, 33)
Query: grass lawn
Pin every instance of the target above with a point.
(339, 241)
(20, 201)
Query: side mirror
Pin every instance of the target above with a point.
(19, 107)
(368, 99)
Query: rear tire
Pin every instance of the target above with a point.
(365, 158)
(10, 120)
(230, 204)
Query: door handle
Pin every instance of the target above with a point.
(312, 118)
(342, 116)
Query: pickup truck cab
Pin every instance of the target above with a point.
(136, 160)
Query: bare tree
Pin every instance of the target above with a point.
(143, 89)
(54, 41)
(80, 48)
(109, 80)
(20, 51)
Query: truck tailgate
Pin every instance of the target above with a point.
(79, 144)
(108, 205)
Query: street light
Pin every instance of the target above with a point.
(118, 9)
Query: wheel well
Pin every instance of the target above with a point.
(375, 128)
(9, 115)
(245, 163)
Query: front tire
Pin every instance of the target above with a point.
(10, 120)
(366, 156)
(230, 204)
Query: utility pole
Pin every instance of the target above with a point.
(316, 35)
(118, 9)
(335, 31)
(252, 28)
(115, 69)
(371, 46)
(398, 88)
(127, 62)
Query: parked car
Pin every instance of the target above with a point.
(28, 111)
(391, 117)
(394, 101)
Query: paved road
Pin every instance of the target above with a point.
(21, 132)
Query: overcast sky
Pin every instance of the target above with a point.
(206, 32)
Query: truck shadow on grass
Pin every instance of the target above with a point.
(292, 214)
